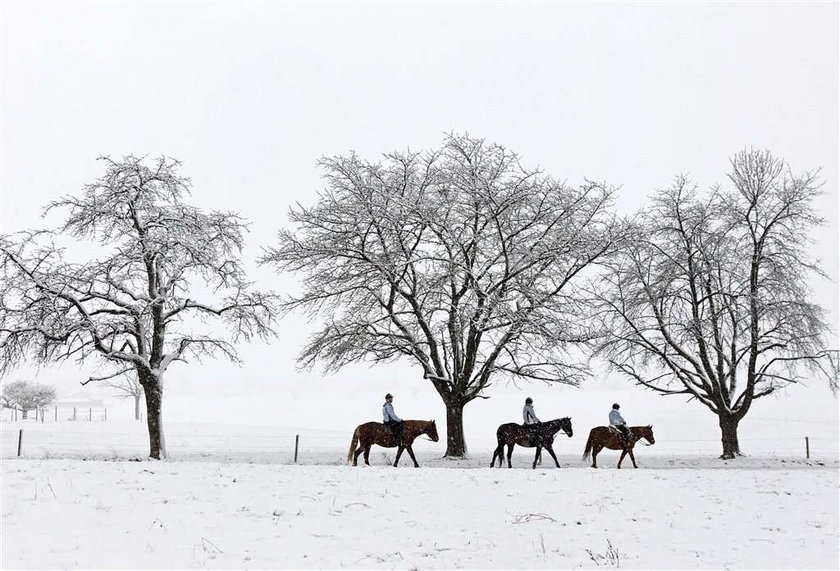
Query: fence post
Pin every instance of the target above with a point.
(20, 441)
(297, 440)
(74, 414)
(106, 414)
(56, 413)
(807, 448)
(90, 415)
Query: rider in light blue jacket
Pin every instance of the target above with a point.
(618, 421)
(392, 422)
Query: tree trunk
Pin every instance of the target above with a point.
(455, 443)
(729, 437)
(136, 407)
(153, 387)
(25, 412)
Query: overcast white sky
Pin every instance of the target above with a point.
(249, 94)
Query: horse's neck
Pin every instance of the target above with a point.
(414, 427)
(554, 425)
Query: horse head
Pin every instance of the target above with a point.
(566, 425)
(431, 431)
(647, 433)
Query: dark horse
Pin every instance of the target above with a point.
(370, 433)
(511, 434)
(605, 437)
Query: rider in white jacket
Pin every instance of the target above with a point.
(530, 419)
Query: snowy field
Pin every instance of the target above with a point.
(692, 513)
(231, 497)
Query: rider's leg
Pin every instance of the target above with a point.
(625, 432)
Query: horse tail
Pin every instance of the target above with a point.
(588, 448)
(353, 443)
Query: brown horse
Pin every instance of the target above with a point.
(511, 434)
(370, 433)
(605, 437)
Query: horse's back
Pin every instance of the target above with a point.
(369, 428)
(599, 432)
(507, 429)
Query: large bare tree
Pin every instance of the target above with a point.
(459, 259)
(139, 303)
(712, 299)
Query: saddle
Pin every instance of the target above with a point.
(617, 432)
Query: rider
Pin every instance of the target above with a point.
(391, 420)
(617, 421)
(532, 423)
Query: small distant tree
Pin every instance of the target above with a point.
(25, 396)
(712, 300)
(164, 269)
(459, 260)
(127, 386)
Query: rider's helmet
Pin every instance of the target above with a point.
(529, 400)
(615, 406)
(389, 396)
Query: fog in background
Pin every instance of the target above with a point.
(250, 94)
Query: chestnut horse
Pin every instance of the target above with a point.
(511, 434)
(605, 437)
(370, 433)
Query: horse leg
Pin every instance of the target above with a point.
(621, 459)
(595, 449)
(367, 454)
(536, 456)
(550, 449)
(633, 458)
(499, 451)
(356, 455)
(510, 453)
(399, 453)
(411, 453)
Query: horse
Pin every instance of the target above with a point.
(511, 434)
(606, 437)
(370, 433)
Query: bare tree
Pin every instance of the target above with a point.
(459, 259)
(163, 268)
(127, 385)
(712, 298)
(25, 396)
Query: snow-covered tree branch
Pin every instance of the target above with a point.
(164, 267)
(459, 259)
(711, 299)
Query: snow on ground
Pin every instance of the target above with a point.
(186, 514)
(231, 496)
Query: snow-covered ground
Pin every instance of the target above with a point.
(695, 513)
(231, 496)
